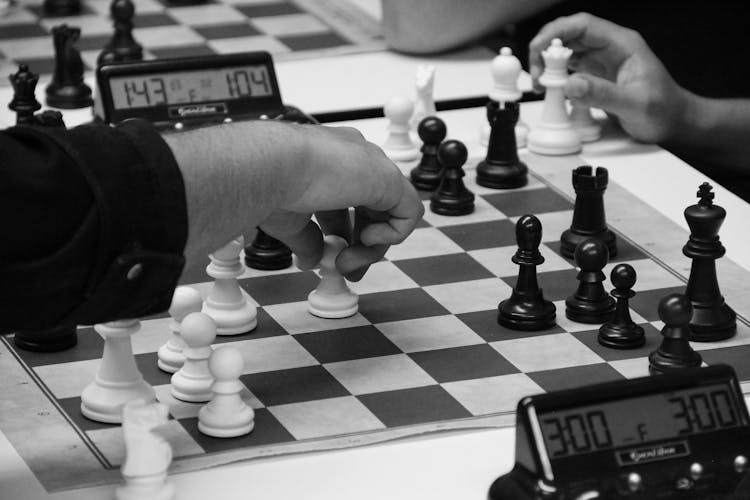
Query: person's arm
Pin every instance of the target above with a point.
(431, 26)
(616, 71)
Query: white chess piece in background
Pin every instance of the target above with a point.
(424, 102)
(185, 300)
(332, 298)
(193, 381)
(399, 145)
(505, 69)
(585, 124)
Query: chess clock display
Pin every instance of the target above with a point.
(173, 93)
(679, 435)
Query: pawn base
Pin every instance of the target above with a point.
(426, 180)
(170, 358)
(268, 259)
(231, 319)
(69, 96)
(332, 306)
(53, 339)
(711, 324)
(242, 422)
(570, 240)
(452, 206)
(501, 175)
(199, 392)
(402, 155)
(589, 312)
(621, 336)
(591, 132)
(552, 141)
(660, 362)
(526, 316)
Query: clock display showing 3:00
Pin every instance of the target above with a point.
(187, 87)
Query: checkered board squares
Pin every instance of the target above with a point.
(424, 352)
(165, 29)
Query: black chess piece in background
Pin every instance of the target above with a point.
(122, 46)
(589, 220)
(24, 101)
(67, 89)
(452, 197)
(527, 309)
(590, 303)
(426, 176)
(675, 352)
(501, 168)
(621, 332)
(57, 8)
(267, 253)
(712, 318)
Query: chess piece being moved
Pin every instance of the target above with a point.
(398, 145)
(267, 253)
(506, 68)
(554, 134)
(452, 197)
(584, 123)
(332, 298)
(527, 309)
(621, 332)
(675, 352)
(24, 101)
(426, 176)
(193, 381)
(589, 219)
(118, 380)
(501, 168)
(227, 303)
(712, 318)
(185, 300)
(147, 454)
(122, 46)
(590, 303)
(424, 102)
(59, 8)
(226, 415)
(67, 89)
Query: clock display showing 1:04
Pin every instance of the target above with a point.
(187, 87)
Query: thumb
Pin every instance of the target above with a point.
(596, 92)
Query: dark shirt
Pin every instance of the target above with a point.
(93, 223)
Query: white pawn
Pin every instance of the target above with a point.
(193, 381)
(584, 123)
(226, 303)
(185, 300)
(226, 415)
(332, 298)
(398, 145)
(554, 134)
(506, 68)
(118, 379)
(424, 99)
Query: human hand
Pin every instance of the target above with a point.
(616, 71)
(338, 170)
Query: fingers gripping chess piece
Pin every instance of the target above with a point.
(332, 298)
(193, 381)
(505, 68)
(117, 380)
(426, 176)
(147, 454)
(185, 300)
(590, 303)
(554, 134)
(398, 145)
(675, 352)
(227, 303)
(424, 102)
(621, 332)
(226, 415)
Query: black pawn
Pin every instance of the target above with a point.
(122, 46)
(502, 169)
(452, 197)
(426, 176)
(674, 353)
(591, 303)
(712, 318)
(24, 102)
(267, 253)
(621, 332)
(57, 8)
(527, 309)
(53, 339)
(589, 220)
(67, 89)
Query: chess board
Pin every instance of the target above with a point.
(424, 353)
(285, 28)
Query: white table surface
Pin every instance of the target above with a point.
(439, 466)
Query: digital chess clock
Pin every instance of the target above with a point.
(682, 435)
(174, 93)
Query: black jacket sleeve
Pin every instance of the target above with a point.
(94, 224)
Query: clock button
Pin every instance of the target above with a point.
(635, 482)
(696, 471)
(179, 126)
(227, 120)
(588, 495)
(740, 464)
